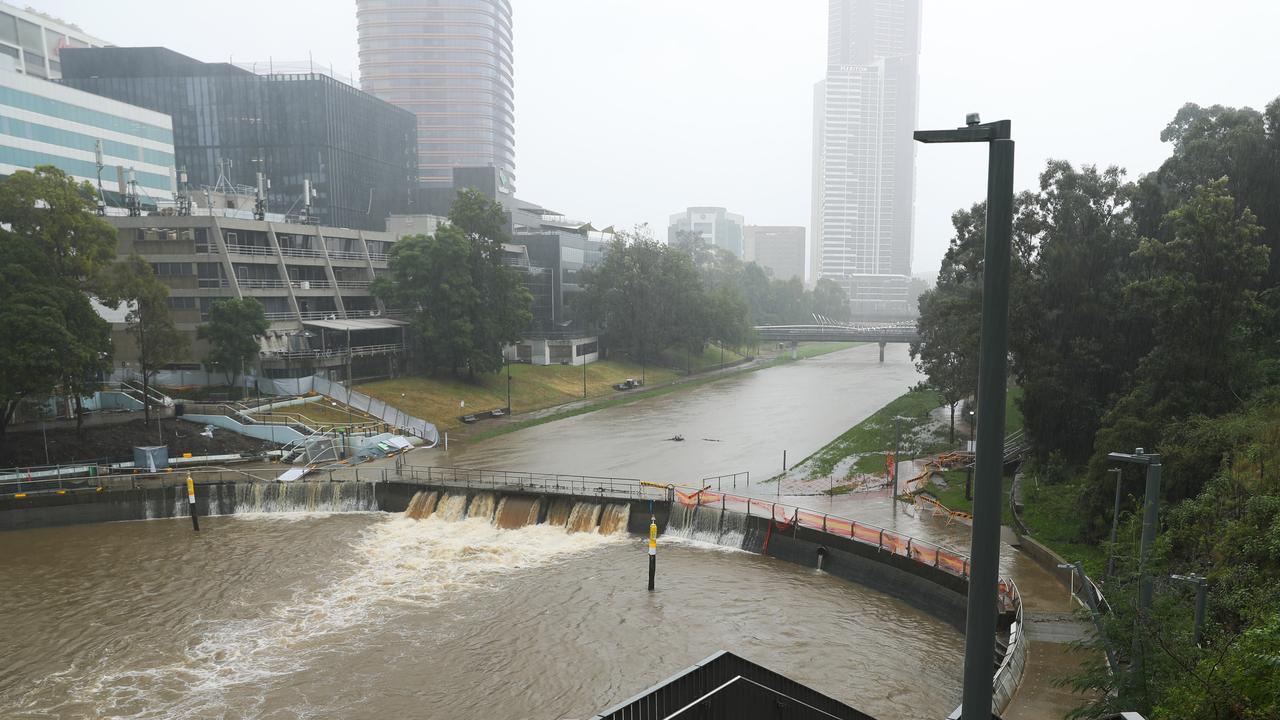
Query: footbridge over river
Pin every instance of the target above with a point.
(882, 333)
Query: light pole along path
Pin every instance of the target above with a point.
(980, 620)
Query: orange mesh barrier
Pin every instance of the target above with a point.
(765, 508)
(837, 526)
(809, 520)
(952, 563)
(866, 534)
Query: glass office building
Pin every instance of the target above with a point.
(44, 123)
(450, 63)
(356, 150)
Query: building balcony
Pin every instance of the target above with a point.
(346, 255)
(356, 351)
(301, 252)
(255, 250)
(354, 284)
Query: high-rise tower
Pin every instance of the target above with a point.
(450, 63)
(864, 158)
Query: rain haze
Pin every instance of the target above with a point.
(628, 111)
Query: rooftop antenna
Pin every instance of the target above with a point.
(183, 197)
(260, 197)
(129, 189)
(102, 197)
(308, 194)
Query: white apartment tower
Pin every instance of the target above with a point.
(864, 157)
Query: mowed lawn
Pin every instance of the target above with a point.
(533, 387)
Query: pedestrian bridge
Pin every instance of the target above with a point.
(903, 332)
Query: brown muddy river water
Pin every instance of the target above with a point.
(370, 615)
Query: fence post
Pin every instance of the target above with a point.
(908, 547)
(824, 523)
(935, 557)
(880, 543)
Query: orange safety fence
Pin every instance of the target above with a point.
(811, 520)
(783, 516)
(840, 526)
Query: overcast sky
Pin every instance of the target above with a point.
(630, 110)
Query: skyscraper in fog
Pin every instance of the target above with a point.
(450, 63)
(864, 158)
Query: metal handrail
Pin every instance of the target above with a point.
(549, 483)
(258, 250)
(301, 252)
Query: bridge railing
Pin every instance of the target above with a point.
(532, 482)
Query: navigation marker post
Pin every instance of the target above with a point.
(653, 550)
(191, 503)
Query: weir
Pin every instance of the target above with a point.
(510, 512)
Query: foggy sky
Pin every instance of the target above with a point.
(629, 110)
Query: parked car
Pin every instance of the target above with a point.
(628, 384)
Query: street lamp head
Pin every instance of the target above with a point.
(972, 119)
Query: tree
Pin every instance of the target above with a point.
(233, 330)
(465, 303)
(502, 312)
(1199, 291)
(67, 247)
(431, 277)
(830, 300)
(32, 328)
(1075, 341)
(158, 342)
(50, 208)
(947, 349)
(645, 297)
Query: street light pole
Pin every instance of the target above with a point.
(1115, 521)
(980, 620)
(1202, 590)
(507, 362)
(1150, 524)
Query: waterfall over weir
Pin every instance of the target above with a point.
(259, 497)
(516, 511)
(708, 524)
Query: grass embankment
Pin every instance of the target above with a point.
(710, 358)
(436, 399)
(1052, 514)
(862, 449)
(952, 496)
(533, 387)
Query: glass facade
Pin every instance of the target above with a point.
(357, 151)
(450, 63)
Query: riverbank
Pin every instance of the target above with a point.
(858, 458)
(671, 382)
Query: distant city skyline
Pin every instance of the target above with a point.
(613, 98)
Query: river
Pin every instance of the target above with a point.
(740, 424)
(370, 615)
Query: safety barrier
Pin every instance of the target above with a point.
(533, 482)
(921, 551)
